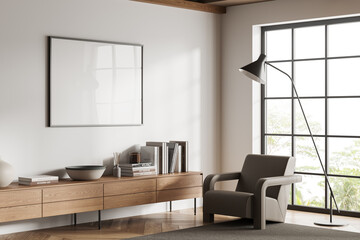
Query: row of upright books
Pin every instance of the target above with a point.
(167, 157)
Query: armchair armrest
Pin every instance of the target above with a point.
(260, 195)
(210, 180)
(276, 181)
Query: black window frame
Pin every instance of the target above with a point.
(326, 136)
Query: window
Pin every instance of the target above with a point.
(323, 58)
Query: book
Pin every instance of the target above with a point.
(150, 154)
(170, 150)
(138, 168)
(163, 156)
(143, 164)
(38, 178)
(29, 183)
(135, 167)
(126, 174)
(173, 155)
(175, 158)
(178, 161)
(153, 169)
(184, 154)
(134, 174)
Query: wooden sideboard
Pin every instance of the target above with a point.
(18, 202)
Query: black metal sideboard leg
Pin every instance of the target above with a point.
(99, 219)
(74, 218)
(170, 206)
(194, 206)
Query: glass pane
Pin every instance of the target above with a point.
(309, 42)
(104, 85)
(104, 57)
(277, 83)
(343, 77)
(315, 113)
(127, 56)
(344, 116)
(278, 45)
(343, 39)
(344, 155)
(276, 145)
(306, 157)
(278, 116)
(310, 192)
(346, 192)
(309, 78)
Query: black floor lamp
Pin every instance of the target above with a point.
(256, 72)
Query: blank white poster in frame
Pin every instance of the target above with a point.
(94, 83)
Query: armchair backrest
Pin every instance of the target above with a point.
(261, 166)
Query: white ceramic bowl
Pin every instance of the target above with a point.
(85, 172)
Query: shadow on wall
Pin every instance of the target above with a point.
(182, 101)
(61, 172)
(108, 163)
(123, 158)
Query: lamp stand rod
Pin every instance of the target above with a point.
(312, 138)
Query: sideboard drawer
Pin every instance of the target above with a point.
(133, 186)
(57, 194)
(129, 200)
(74, 206)
(20, 213)
(19, 198)
(179, 182)
(178, 194)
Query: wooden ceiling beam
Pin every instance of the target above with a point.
(188, 5)
(229, 3)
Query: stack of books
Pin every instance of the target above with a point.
(37, 180)
(137, 169)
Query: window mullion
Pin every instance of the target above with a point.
(326, 114)
(292, 112)
(262, 89)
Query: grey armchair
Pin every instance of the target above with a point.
(262, 192)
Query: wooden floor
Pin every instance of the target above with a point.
(155, 223)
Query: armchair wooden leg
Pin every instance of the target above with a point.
(208, 217)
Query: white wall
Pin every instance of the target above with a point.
(181, 88)
(240, 107)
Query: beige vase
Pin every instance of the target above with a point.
(7, 173)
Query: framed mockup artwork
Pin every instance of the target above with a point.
(94, 83)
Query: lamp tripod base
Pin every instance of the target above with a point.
(330, 223)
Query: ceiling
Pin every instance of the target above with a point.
(228, 3)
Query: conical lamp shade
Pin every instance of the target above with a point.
(255, 70)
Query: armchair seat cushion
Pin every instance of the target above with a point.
(229, 203)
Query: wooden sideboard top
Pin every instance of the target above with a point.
(105, 179)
